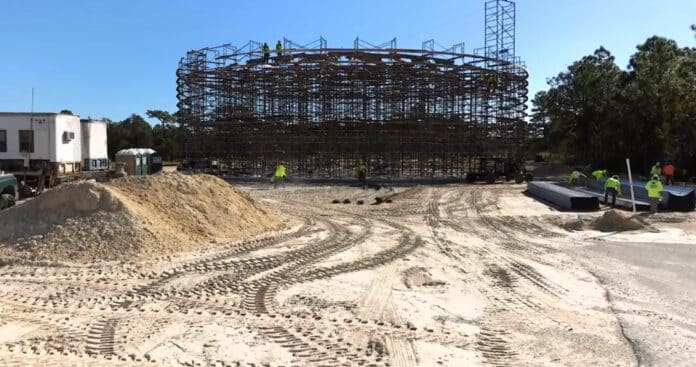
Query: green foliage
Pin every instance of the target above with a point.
(65, 112)
(599, 114)
(134, 132)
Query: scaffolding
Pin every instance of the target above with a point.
(429, 112)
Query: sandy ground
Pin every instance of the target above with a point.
(442, 276)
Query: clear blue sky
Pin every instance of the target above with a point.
(113, 58)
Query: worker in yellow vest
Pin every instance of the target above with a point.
(600, 174)
(654, 188)
(266, 52)
(612, 187)
(361, 173)
(575, 176)
(279, 48)
(280, 175)
(655, 170)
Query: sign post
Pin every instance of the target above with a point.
(630, 182)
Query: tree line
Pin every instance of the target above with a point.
(135, 132)
(599, 114)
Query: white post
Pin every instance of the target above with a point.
(630, 182)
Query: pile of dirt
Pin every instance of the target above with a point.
(614, 221)
(131, 218)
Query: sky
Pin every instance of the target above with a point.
(113, 58)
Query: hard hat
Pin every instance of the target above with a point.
(657, 163)
(656, 177)
(615, 177)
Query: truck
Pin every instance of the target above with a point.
(9, 190)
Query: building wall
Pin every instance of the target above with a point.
(44, 129)
(94, 142)
(67, 150)
(49, 142)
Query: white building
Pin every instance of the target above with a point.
(47, 140)
(95, 155)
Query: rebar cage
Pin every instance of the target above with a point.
(403, 112)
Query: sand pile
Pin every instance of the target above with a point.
(614, 221)
(134, 217)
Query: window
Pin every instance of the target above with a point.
(3, 141)
(26, 141)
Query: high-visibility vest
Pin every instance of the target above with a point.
(612, 183)
(655, 170)
(361, 169)
(279, 47)
(598, 174)
(654, 188)
(266, 48)
(279, 171)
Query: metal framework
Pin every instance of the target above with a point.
(429, 112)
(500, 30)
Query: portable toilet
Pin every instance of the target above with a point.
(136, 160)
(154, 162)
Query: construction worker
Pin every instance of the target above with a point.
(279, 48)
(575, 176)
(654, 188)
(668, 173)
(600, 174)
(612, 186)
(361, 173)
(655, 170)
(279, 176)
(266, 53)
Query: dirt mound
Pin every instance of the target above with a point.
(133, 217)
(419, 277)
(614, 221)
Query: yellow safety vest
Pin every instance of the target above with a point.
(612, 183)
(654, 188)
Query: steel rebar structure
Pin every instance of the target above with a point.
(404, 112)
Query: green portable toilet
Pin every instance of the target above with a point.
(140, 165)
(136, 160)
(154, 161)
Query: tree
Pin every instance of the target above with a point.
(133, 132)
(168, 135)
(598, 114)
(579, 108)
(65, 112)
(164, 117)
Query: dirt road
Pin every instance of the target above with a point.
(442, 276)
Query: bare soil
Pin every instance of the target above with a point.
(460, 275)
(130, 219)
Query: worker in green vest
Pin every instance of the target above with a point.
(600, 174)
(279, 176)
(655, 170)
(575, 176)
(654, 188)
(612, 187)
(266, 52)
